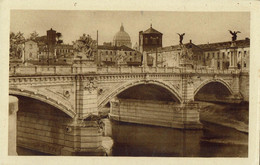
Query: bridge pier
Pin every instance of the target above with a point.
(157, 113)
(12, 128)
(83, 138)
(43, 128)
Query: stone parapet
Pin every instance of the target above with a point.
(74, 70)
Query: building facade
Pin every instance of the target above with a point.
(227, 55)
(222, 55)
(31, 51)
(150, 39)
(173, 56)
(123, 56)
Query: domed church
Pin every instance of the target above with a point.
(122, 38)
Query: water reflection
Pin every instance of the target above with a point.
(212, 141)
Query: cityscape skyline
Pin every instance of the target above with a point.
(208, 24)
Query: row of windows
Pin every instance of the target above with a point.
(111, 59)
(64, 50)
(111, 53)
(217, 55)
(152, 40)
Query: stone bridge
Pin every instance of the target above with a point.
(81, 92)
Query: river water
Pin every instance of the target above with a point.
(214, 140)
(143, 140)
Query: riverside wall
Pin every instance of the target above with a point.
(157, 113)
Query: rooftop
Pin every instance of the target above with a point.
(151, 30)
(107, 47)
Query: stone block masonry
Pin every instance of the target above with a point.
(46, 129)
(158, 113)
(13, 108)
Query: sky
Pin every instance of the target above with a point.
(200, 27)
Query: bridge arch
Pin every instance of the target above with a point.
(221, 81)
(46, 97)
(114, 92)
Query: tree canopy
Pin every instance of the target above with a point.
(33, 36)
(16, 41)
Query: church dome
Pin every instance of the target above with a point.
(122, 38)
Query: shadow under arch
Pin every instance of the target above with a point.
(221, 81)
(114, 92)
(48, 99)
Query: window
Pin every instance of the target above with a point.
(106, 52)
(130, 53)
(244, 64)
(146, 40)
(218, 55)
(111, 59)
(223, 55)
(30, 55)
(213, 55)
(130, 59)
(154, 41)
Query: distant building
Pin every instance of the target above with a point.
(227, 55)
(171, 56)
(222, 55)
(123, 55)
(150, 39)
(122, 38)
(31, 51)
(51, 39)
(63, 50)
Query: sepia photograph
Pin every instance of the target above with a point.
(129, 83)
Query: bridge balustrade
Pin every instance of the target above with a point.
(31, 70)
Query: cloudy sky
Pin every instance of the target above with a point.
(200, 27)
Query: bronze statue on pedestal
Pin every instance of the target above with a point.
(234, 35)
(181, 37)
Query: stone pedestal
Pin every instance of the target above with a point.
(13, 108)
(233, 56)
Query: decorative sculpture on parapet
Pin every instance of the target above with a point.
(181, 37)
(121, 58)
(85, 46)
(234, 35)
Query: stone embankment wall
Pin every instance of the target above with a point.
(244, 86)
(13, 108)
(158, 113)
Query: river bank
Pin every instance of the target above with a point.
(229, 115)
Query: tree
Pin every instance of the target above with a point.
(86, 45)
(33, 36)
(16, 44)
(58, 38)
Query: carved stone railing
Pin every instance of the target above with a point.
(68, 70)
